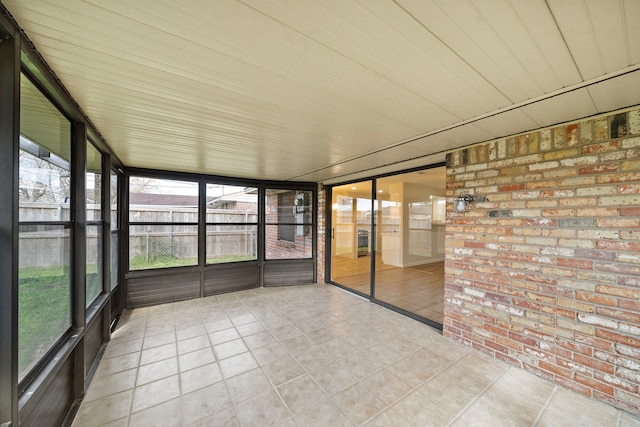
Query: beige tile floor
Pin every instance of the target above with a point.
(311, 356)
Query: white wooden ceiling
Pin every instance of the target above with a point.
(320, 90)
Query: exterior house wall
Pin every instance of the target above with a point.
(322, 223)
(545, 273)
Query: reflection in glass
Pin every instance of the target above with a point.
(113, 201)
(289, 222)
(94, 183)
(94, 263)
(410, 219)
(44, 294)
(44, 288)
(351, 239)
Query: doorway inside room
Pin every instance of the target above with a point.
(387, 241)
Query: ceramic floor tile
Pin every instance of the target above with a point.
(218, 325)
(282, 370)
(336, 361)
(386, 386)
(237, 365)
(200, 377)
(190, 332)
(118, 349)
(413, 373)
(195, 359)
(110, 366)
(248, 384)
(266, 409)
(157, 370)
(358, 403)
(229, 348)
(207, 404)
(312, 359)
(454, 389)
(157, 354)
(154, 393)
(158, 340)
(333, 378)
(104, 410)
(250, 329)
(323, 414)
(301, 393)
(225, 335)
(111, 384)
(418, 410)
(567, 408)
(167, 414)
(193, 344)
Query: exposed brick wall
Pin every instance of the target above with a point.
(275, 247)
(545, 274)
(321, 221)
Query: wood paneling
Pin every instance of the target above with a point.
(285, 273)
(93, 340)
(219, 279)
(56, 399)
(162, 286)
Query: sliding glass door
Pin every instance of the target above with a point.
(387, 241)
(351, 241)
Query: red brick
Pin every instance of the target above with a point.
(510, 360)
(629, 304)
(593, 384)
(596, 298)
(497, 347)
(557, 370)
(511, 187)
(594, 342)
(618, 338)
(630, 211)
(536, 185)
(618, 222)
(588, 170)
(629, 281)
(617, 291)
(595, 254)
(598, 365)
(632, 270)
(574, 346)
(619, 314)
(629, 189)
(601, 148)
(621, 177)
(572, 385)
(616, 381)
(539, 372)
(575, 263)
(618, 246)
(572, 135)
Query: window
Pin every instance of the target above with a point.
(44, 289)
(113, 201)
(94, 224)
(163, 223)
(232, 223)
(288, 233)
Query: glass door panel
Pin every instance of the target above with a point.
(351, 236)
(410, 215)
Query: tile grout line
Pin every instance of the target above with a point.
(545, 406)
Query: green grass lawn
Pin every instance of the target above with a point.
(140, 263)
(44, 312)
